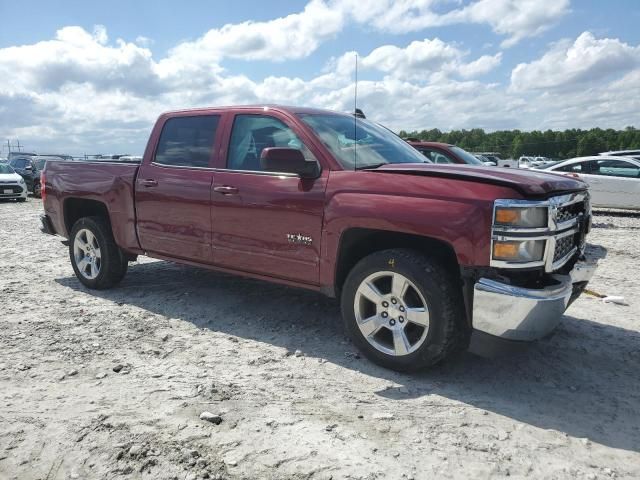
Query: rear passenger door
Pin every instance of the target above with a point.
(267, 223)
(173, 189)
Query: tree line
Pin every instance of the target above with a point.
(550, 143)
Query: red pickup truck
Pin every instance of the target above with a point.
(426, 259)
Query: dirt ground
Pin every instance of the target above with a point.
(294, 398)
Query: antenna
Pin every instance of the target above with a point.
(355, 116)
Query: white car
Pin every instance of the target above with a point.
(11, 184)
(614, 182)
(525, 162)
(622, 153)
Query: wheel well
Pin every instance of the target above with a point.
(77, 208)
(357, 243)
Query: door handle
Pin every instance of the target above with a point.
(226, 190)
(149, 182)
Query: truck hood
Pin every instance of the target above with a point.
(527, 182)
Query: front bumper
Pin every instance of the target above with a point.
(13, 191)
(524, 314)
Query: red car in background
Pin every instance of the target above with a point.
(444, 153)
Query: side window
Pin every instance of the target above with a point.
(574, 167)
(187, 141)
(436, 156)
(617, 168)
(252, 133)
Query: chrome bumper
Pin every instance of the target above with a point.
(523, 314)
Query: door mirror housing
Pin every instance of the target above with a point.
(288, 160)
(28, 168)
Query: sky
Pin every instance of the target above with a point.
(91, 77)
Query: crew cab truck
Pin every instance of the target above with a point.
(426, 259)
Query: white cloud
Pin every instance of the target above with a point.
(567, 64)
(516, 19)
(82, 91)
(421, 61)
(78, 56)
(291, 37)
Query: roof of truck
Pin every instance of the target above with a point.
(282, 108)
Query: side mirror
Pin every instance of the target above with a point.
(28, 168)
(288, 160)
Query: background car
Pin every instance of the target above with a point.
(30, 168)
(444, 153)
(13, 155)
(622, 153)
(614, 182)
(12, 185)
(485, 160)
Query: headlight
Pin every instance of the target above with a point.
(525, 217)
(518, 251)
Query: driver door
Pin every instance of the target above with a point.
(267, 223)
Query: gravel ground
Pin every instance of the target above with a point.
(112, 384)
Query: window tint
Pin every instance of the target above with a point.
(253, 133)
(187, 141)
(574, 167)
(19, 163)
(436, 156)
(616, 168)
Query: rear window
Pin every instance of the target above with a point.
(187, 141)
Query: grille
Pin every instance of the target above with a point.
(563, 247)
(569, 212)
(14, 188)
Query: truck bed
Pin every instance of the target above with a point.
(109, 183)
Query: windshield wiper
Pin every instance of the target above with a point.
(373, 166)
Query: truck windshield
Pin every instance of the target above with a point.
(361, 144)
(466, 156)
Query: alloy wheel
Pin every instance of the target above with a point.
(86, 253)
(391, 313)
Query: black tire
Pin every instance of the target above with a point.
(37, 191)
(439, 288)
(113, 261)
(21, 200)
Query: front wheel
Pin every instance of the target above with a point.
(96, 259)
(37, 190)
(403, 310)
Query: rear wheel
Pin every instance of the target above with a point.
(403, 309)
(96, 259)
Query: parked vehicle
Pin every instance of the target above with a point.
(531, 162)
(443, 153)
(426, 258)
(12, 185)
(13, 155)
(614, 182)
(485, 160)
(497, 159)
(30, 168)
(622, 153)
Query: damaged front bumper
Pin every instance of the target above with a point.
(518, 314)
